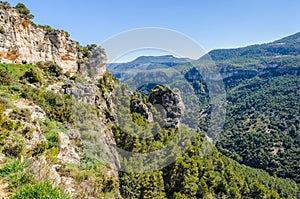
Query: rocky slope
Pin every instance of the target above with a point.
(53, 126)
(58, 133)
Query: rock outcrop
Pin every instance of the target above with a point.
(100, 134)
(67, 153)
(168, 102)
(21, 41)
(82, 92)
(95, 57)
(138, 106)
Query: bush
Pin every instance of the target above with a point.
(5, 77)
(50, 68)
(15, 174)
(13, 146)
(53, 139)
(43, 190)
(10, 168)
(47, 28)
(40, 149)
(58, 108)
(5, 125)
(24, 11)
(20, 114)
(23, 186)
(32, 77)
(107, 83)
(15, 88)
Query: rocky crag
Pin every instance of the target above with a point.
(22, 41)
(54, 75)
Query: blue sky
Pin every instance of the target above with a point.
(212, 23)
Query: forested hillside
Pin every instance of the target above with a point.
(201, 172)
(262, 125)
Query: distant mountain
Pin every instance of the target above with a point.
(262, 127)
(288, 46)
(161, 59)
(145, 63)
(282, 55)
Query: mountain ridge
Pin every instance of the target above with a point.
(286, 45)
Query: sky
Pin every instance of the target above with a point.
(212, 24)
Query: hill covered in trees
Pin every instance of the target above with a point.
(262, 88)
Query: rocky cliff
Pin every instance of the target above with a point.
(21, 41)
(168, 102)
(59, 127)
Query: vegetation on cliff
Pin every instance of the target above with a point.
(33, 122)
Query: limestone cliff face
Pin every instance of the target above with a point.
(23, 41)
(89, 93)
(138, 106)
(169, 102)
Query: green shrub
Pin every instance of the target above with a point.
(47, 28)
(14, 146)
(67, 34)
(41, 147)
(51, 155)
(5, 125)
(10, 168)
(50, 68)
(32, 77)
(20, 114)
(53, 139)
(15, 174)
(16, 70)
(139, 119)
(57, 107)
(5, 77)
(24, 11)
(43, 190)
(107, 83)
(15, 88)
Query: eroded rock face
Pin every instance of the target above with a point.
(170, 103)
(67, 153)
(82, 92)
(23, 42)
(42, 171)
(138, 106)
(100, 139)
(96, 57)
